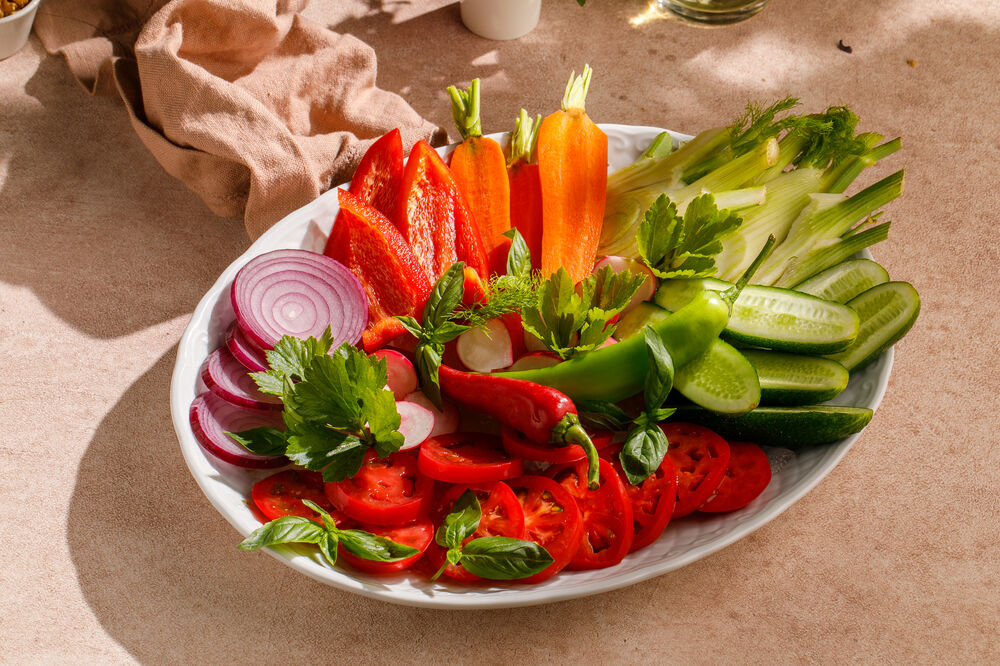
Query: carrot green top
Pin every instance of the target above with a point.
(524, 138)
(465, 109)
(576, 90)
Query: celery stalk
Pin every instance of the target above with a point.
(839, 178)
(666, 171)
(824, 257)
(733, 174)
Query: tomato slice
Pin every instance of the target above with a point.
(746, 477)
(502, 516)
(700, 457)
(652, 502)
(607, 515)
(467, 457)
(519, 446)
(385, 491)
(551, 519)
(419, 534)
(281, 495)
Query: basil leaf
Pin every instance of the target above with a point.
(447, 332)
(265, 441)
(519, 256)
(428, 357)
(287, 529)
(461, 523)
(601, 415)
(503, 558)
(412, 325)
(643, 452)
(660, 378)
(328, 548)
(373, 547)
(453, 556)
(445, 296)
(327, 519)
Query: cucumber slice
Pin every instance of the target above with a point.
(720, 379)
(844, 281)
(790, 427)
(887, 312)
(792, 379)
(773, 317)
(633, 320)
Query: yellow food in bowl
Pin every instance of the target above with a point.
(8, 7)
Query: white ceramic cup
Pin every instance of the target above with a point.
(501, 19)
(14, 29)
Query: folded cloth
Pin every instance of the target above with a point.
(256, 108)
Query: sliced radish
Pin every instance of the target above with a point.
(533, 344)
(535, 361)
(445, 419)
(229, 379)
(486, 350)
(244, 351)
(402, 375)
(298, 293)
(608, 342)
(211, 417)
(416, 423)
(618, 264)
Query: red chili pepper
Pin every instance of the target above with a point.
(434, 218)
(542, 414)
(378, 254)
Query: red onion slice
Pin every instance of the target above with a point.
(244, 351)
(230, 380)
(298, 293)
(211, 417)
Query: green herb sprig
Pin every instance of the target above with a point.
(675, 246)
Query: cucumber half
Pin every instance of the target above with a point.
(792, 379)
(720, 379)
(844, 281)
(773, 317)
(790, 427)
(887, 312)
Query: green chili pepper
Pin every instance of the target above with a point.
(618, 371)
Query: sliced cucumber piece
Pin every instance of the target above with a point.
(793, 379)
(790, 427)
(887, 312)
(720, 379)
(633, 320)
(773, 317)
(844, 281)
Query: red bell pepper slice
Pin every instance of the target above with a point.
(434, 217)
(380, 173)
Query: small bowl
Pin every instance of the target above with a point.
(14, 29)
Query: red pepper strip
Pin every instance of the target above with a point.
(542, 414)
(474, 291)
(376, 181)
(433, 217)
(379, 255)
(381, 333)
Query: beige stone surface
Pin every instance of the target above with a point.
(110, 553)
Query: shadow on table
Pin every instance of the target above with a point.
(77, 224)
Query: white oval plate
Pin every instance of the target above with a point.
(685, 541)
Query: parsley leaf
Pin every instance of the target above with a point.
(289, 360)
(684, 246)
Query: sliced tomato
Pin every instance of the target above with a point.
(700, 457)
(519, 446)
(652, 502)
(468, 457)
(419, 534)
(385, 491)
(551, 519)
(746, 477)
(502, 516)
(607, 515)
(281, 495)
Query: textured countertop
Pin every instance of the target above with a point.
(111, 554)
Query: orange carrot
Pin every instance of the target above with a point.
(480, 170)
(573, 169)
(525, 187)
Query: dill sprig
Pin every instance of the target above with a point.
(504, 294)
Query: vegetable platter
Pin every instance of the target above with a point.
(500, 545)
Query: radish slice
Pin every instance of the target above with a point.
(535, 361)
(618, 264)
(486, 351)
(402, 376)
(445, 419)
(228, 379)
(298, 293)
(416, 423)
(533, 344)
(244, 351)
(608, 342)
(211, 417)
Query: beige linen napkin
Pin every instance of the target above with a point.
(257, 109)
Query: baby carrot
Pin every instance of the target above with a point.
(525, 187)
